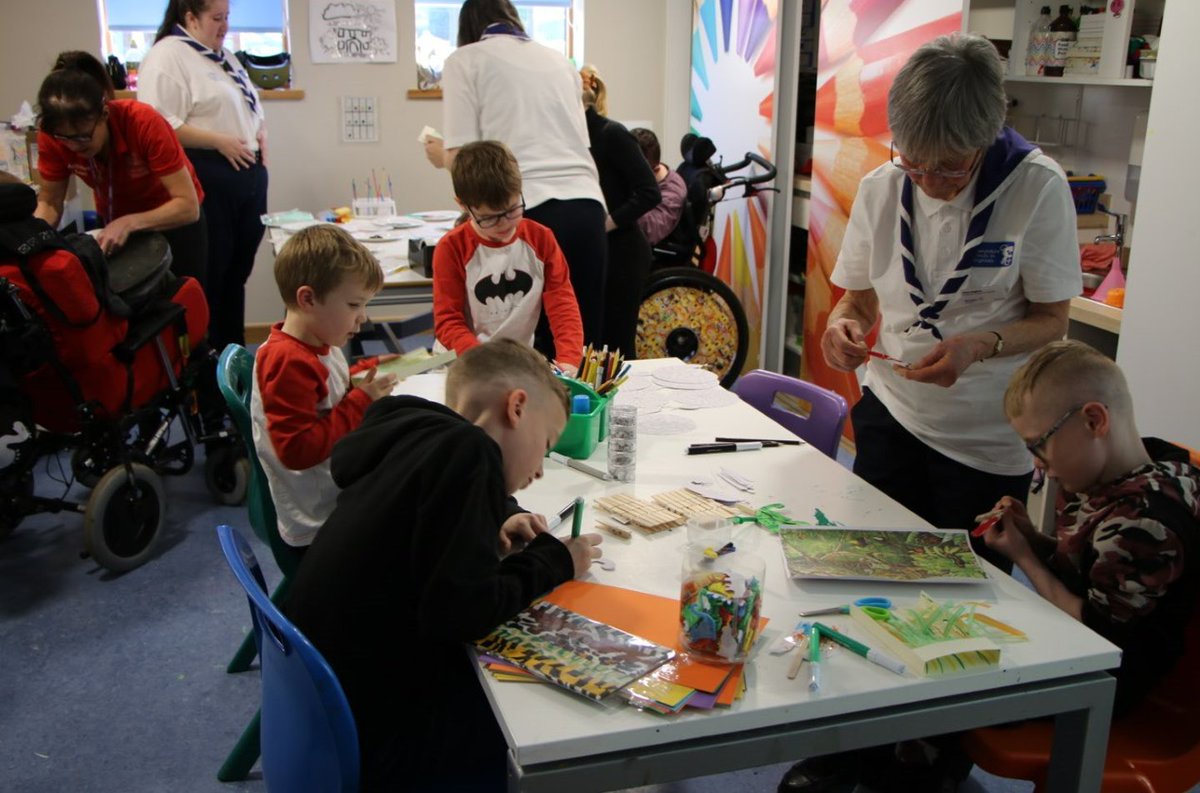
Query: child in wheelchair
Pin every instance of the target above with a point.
(103, 377)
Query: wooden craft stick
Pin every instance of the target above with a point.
(801, 652)
(614, 529)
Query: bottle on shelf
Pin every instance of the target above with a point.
(1062, 33)
(1039, 38)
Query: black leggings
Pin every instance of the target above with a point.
(578, 226)
(233, 203)
(189, 250)
(944, 492)
(628, 264)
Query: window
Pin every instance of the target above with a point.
(127, 27)
(554, 23)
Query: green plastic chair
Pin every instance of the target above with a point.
(235, 377)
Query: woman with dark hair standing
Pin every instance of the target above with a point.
(126, 152)
(630, 191)
(501, 85)
(205, 94)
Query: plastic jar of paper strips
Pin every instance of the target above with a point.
(622, 442)
(720, 601)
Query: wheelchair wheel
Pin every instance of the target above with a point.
(691, 315)
(124, 517)
(12, 510)
(227, 474)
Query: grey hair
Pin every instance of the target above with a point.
(948, 99)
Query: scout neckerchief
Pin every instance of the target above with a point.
(219, 58)
(503, 29)
(996, 172)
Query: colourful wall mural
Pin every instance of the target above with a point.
(863, 43)
(732, 103)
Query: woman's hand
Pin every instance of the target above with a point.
(262, 145)
(844, 345)
(520, 530)
(435, 152)
(235, 150)
(946, 362)
(113, 236)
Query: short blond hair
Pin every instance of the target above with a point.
(323, 257)
(483, 373)
(1064, 374)
(485, 173)
(595, 92)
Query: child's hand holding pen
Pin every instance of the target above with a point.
(584, 550)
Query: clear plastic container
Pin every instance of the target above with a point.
(720, 601)
(622, 442)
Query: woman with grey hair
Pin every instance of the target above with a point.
(963, 249)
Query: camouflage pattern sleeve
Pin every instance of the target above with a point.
(1137, 558)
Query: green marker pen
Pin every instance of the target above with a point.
(577, 519)
(858, 648)
(814, 659)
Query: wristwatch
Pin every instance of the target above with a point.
(998, 347)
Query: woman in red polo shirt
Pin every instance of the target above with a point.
(127, 153)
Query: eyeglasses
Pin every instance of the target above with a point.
(86, 138)
(897, 160)
(488, 221)
(1038, 447)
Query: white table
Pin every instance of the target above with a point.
(558, 741)
(402, 286)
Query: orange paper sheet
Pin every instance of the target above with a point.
(651, 617)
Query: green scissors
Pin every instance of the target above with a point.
(876, 608)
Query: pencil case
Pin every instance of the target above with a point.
(583, 431)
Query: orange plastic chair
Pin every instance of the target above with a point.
(1154, 748)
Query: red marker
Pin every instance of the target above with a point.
(889, 359)
(982, 528)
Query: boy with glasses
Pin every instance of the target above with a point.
(1120, 559)
(493, 275)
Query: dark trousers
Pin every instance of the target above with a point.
(578, 227)
(189, 250)
(628, 265)
(944, 492)
(233, 204)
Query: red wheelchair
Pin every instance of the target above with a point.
(103, 378)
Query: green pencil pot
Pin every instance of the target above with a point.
(583, 431)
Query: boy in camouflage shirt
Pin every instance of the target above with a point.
(1129, 522)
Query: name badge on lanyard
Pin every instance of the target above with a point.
(993, 254)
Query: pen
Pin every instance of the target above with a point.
(889, 359)
(560, 516)
(727, 444)
(577, 521)
(858, 648)
(579, 466)
(776, 441)
(717, 448)
(814, 659)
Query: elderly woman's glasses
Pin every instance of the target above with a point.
(489, 221)
(940, 173)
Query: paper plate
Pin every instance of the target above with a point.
(398, 223)
(437, 215)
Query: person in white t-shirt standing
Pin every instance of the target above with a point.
(501, 85)
(207, 97)
(963, 249)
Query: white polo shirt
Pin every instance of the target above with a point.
(528, 97)
(1036, 214)
(188, 88)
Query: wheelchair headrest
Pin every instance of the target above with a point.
(17, 202)
(696, 150)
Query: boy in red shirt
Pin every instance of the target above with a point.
(493, 276)
(303, 400)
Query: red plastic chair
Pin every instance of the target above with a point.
(1152, 749)
(827, 410)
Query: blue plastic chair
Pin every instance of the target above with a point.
(235, 377)
(309, 739)
(827, 410)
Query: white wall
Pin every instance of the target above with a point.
(1161, 323)
(309, 167)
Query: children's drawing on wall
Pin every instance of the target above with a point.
(353, 32)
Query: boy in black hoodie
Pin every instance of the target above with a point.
(415, 560)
